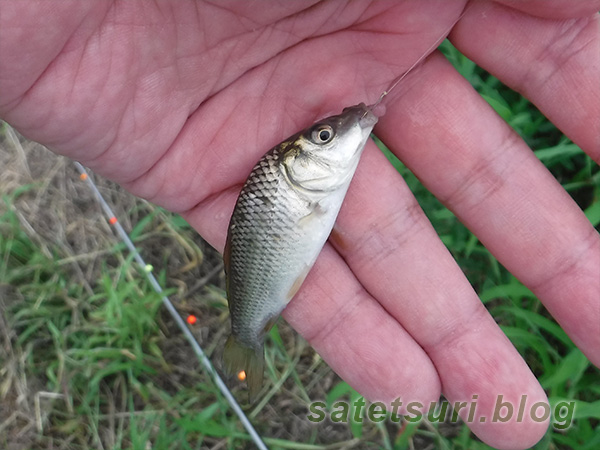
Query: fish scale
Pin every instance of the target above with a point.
(256, 229)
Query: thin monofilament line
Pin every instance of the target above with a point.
(437, 42)
(178, 320)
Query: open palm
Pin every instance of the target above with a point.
(177, 100)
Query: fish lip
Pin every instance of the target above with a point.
(367, 119)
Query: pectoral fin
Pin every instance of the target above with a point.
(297, 284)
(316, 212)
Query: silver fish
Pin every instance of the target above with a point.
(280, 223)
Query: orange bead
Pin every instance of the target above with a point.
(191, 319)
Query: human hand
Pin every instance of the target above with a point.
(176, 102)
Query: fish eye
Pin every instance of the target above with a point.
(322, 134)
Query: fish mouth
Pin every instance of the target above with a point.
(368, 119)
(364, 115)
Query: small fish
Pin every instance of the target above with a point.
(281, 221)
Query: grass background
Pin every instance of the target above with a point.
(90, 360)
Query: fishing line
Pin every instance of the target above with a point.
(437, 42)
(147, 270)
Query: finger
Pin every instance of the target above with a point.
(502, 192)
(554, 9)
(554, 63)
(495, 184)
(358, 338)
(392, 248)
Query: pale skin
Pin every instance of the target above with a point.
(177, 100)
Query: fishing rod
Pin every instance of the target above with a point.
(146, 269)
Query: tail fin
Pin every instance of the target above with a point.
(238, 357)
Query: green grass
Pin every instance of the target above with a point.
(89, 359)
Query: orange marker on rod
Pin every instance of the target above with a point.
(191, 319)
(112, 220)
